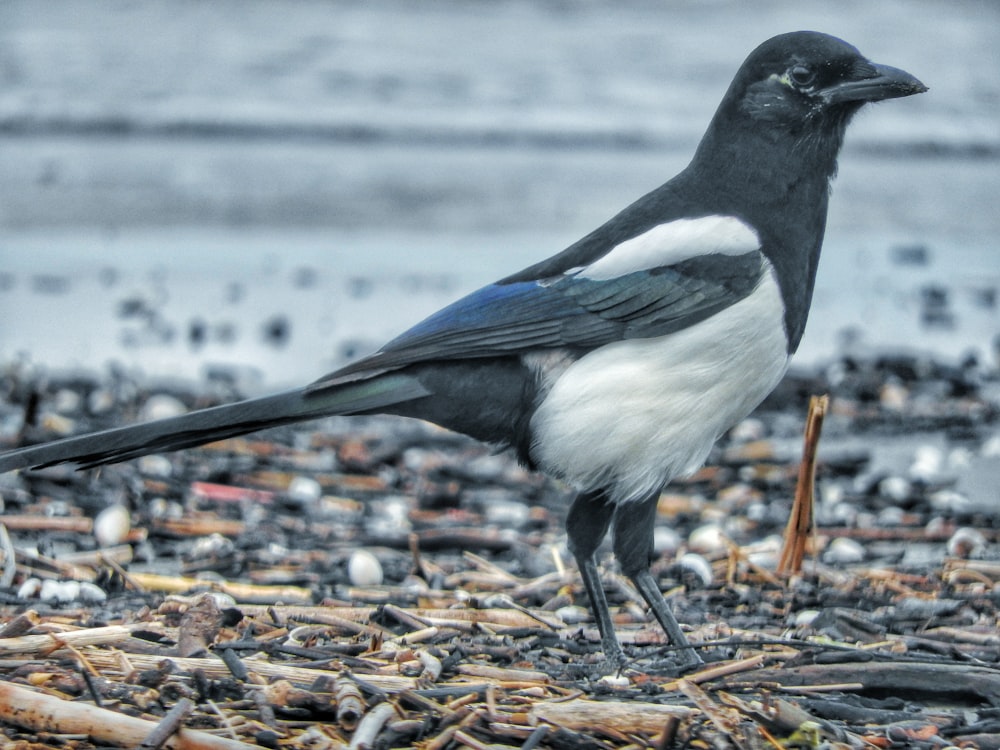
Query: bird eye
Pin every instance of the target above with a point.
(801, 75)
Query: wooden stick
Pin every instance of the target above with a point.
(44, 713)
(800, 523)
(34, 522)
(38, 644)
(631, 716)
(239, 591)
(216, 668)
(169, 725)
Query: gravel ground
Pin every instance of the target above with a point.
(333, 547)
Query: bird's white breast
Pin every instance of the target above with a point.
(632, 415)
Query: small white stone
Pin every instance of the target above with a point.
(29, 589)
(707, 539)
(991, 448)
(61, 592)
(91, 593)
(894, 396)
(747, 430)
(927, 463)
(891, 516)
(806, 617)
(112, 525)
(666, 541)
(156, 465)
(960, 458)
(950, 501)
(100, 401)
(305, 489)
(509, 514)
(222, 600)
(967, 543)
(614, 681)
(696, 567)
(213, 545)
(364, 569)
(162, 406)
(845, 551)
(58, 424)
(573, 615)
(831, 493)
(67, 401)
(895, 488)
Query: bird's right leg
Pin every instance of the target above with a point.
(587, 523)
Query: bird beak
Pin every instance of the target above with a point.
(880, 82)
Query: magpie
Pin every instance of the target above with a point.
(616, 364)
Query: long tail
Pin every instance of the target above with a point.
(217, 423)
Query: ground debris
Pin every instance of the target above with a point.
(228, 612)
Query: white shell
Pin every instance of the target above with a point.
(364, 569)
(162, 406)
(707, 539)
(967, 542)
(305, 489)
(112, 525)
(698, 567)
(844, 550)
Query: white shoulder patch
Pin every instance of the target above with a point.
(666, 244)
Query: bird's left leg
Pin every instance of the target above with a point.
(633, 545)
(587, 523)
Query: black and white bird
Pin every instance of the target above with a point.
(617, 363)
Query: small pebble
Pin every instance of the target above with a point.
(29, 589)
(573, 615)
(895, 488)
(156, 465)
(91, 593)
(950, 501)
(841, 514)
(831, 493)
(213, 545)
(221, 599)
(305, 490)
(805, 618)
(58, 424)
(765, 553)
(707, 539)
(927, 463)
(364, 569)
(615, 681)
(162, 406)
(748, 430)
(960, 458)
(100, 401)
(666, 540)
(60, 592)
(991, 448)
(67, 402)
(844, 551)
(894, 397)
(967, 543)
(509, 514)
(696, 571)
(112, 525)
(162, 509)
(891, 516)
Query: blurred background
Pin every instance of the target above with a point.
(272, 188)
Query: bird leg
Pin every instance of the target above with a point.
(587, 523)
(633, 545)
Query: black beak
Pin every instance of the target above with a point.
(879, 82)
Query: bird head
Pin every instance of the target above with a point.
(790, 103)
(805, 79)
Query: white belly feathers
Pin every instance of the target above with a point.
(633, 415)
